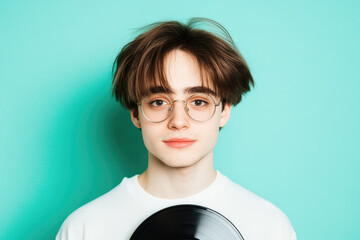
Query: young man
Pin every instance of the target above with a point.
(179, 83)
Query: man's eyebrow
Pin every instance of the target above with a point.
(199, 89)
(159, 89)
(191, 90)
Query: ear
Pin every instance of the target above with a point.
(225, 115)
(135, 118)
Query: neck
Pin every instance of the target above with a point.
(165, 181)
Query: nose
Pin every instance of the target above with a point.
(178, 118)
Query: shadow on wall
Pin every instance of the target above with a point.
(107, 137)
(124, 140)
(94, 145)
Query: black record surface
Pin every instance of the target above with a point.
(186, 222)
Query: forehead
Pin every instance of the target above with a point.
(183, 74)
(178, 73)
(181, 70)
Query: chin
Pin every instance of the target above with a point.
(178, 164)
(180, 158)
(180, 161)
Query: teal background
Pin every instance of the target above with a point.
(294, 139)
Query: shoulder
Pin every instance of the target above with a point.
(101, 204)
(102, 210)
(249, 211)
(240, 196)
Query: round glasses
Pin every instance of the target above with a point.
(158, 107)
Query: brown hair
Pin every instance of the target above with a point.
(140, 63)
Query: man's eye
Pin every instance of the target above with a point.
(199, 102)
(158, 103)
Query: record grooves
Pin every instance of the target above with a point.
(186, 222)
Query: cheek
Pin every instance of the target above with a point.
(212, 136)
(209, 131)
(150, 135)
(212, 130)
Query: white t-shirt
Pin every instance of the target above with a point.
(117, 214)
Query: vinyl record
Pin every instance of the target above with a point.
(186, 222)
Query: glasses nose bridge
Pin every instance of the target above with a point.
(177, 100)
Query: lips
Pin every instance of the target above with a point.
(179, 142)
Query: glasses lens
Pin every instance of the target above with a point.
(156, 107)
(201, 107)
